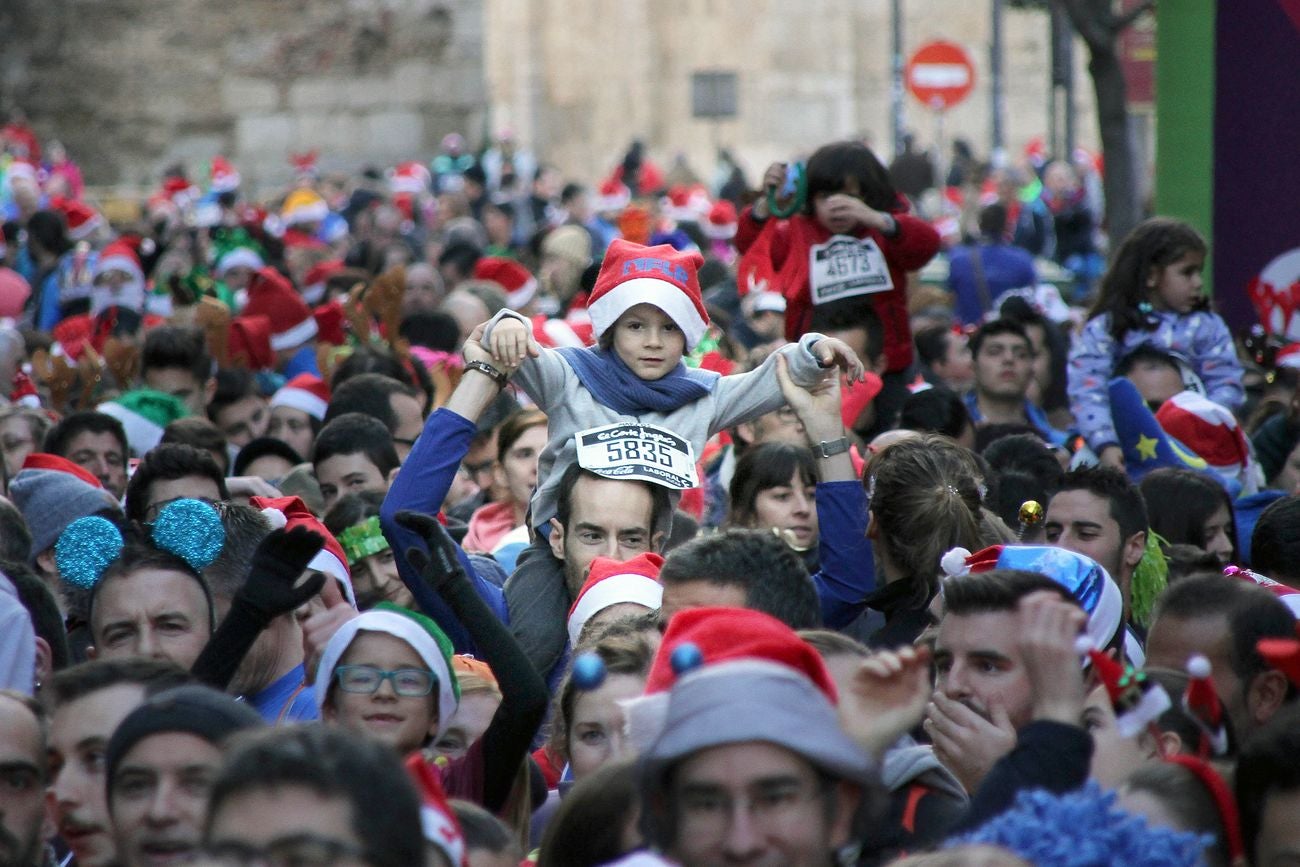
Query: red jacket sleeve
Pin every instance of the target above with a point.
(749, 229)
(913, 246)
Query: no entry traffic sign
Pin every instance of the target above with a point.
(940, 74)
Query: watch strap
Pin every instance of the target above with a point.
(831, 448)
(489, 371)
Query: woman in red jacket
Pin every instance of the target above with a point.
(846, 254)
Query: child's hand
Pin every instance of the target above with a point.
(773, 179)
(511, 342)
(842, 209)
(833, 352)
(1112, 456)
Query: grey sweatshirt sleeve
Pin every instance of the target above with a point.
(746, 396)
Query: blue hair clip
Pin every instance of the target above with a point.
(85, 549)
(192, 530)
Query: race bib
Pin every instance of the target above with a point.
(845, 267)
(634, 451)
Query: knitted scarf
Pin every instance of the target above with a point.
(614, 385)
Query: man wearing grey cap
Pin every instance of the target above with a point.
(752, 767)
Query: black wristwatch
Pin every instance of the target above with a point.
(825, 449)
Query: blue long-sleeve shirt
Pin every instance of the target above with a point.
(421, 485)
(1200, 340)
(848, 568)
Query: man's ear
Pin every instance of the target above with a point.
(209, 390)
(745, 432)
(1265, 695)
(873, 528)
(1134, 548)
(557, 539)
(847, 799)
(46, 563)
(44, 661)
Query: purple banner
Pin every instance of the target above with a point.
(1257, 163)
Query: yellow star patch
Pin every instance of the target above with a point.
(1147, 447)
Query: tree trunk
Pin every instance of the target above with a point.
(1100, 29)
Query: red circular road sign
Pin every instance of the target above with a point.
(940, 74)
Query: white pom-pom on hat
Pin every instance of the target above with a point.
(954, 562)
(276, 517)
(1198, 666)
(1084, 644)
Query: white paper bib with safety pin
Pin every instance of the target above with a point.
(845, 267)
(637, 451)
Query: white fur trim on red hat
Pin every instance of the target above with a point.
(295, 336)
(128, 264)
(303, 395)
(329, 563)
(627, 587)
(668, 297)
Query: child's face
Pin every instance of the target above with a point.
(831, 221)
(1177, 286)
(649, 342)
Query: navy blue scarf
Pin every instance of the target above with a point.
(614, 385)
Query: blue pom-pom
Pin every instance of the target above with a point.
(192, 530)
(686, 657)
(85, 549)
(588, 671)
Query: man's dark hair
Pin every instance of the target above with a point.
(462, 256)
(1269, 764)
(354, 433)
(932, 343)
(41, 606)
(59, 438)
(935, 410)
(172, 346)
(570, 191)
(198, 432)
(995, 591)
(368, 394)
(995, 328)
(1145, 353)
(371, 359)
(169, 462)
(481, 829)
(245, 528)
(661, 508)
(1251, 613)
(772, 575)
(334, 764)
(850, 314)
(1275, 544)
(15, 536)
(431, 329)
(1127, 508)
(79, 681)
(233, 385)
(263, 447)
(993, 222)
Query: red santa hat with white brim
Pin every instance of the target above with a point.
(306, 392)
(292, 512)
(272, 296)
(633, 274)
(520, 285)
(610, 582)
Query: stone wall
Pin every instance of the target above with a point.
(582, 78)
(131, 86)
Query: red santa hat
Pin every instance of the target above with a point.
(613, 195)
(1289, 596)
(520, 285)
(722, 222)
(632, 274)
(82, 219)
(1205, 427)
(45, 461)
(437, 820)
(556, 333)
(249, 342)
(306, 392)
(292, 512)
(1201, 702)
(725, 634)
(687, 203)
(1137, 701)
(223, 175)
(330, 323)
(313, 288)
(273, 296)
(121, 255)
(410, 177)
(611, 582)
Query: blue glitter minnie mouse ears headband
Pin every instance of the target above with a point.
(190, 529)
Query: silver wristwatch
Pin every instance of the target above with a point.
(825, 449)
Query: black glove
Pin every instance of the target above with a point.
(444, 568)
(277, 564)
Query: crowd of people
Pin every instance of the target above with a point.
(452, 514)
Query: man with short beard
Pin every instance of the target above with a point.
(22, 778)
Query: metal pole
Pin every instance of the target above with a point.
(995, 75)
(896, 86)
(1067, 64)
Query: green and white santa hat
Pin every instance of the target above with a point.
(144, 413)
